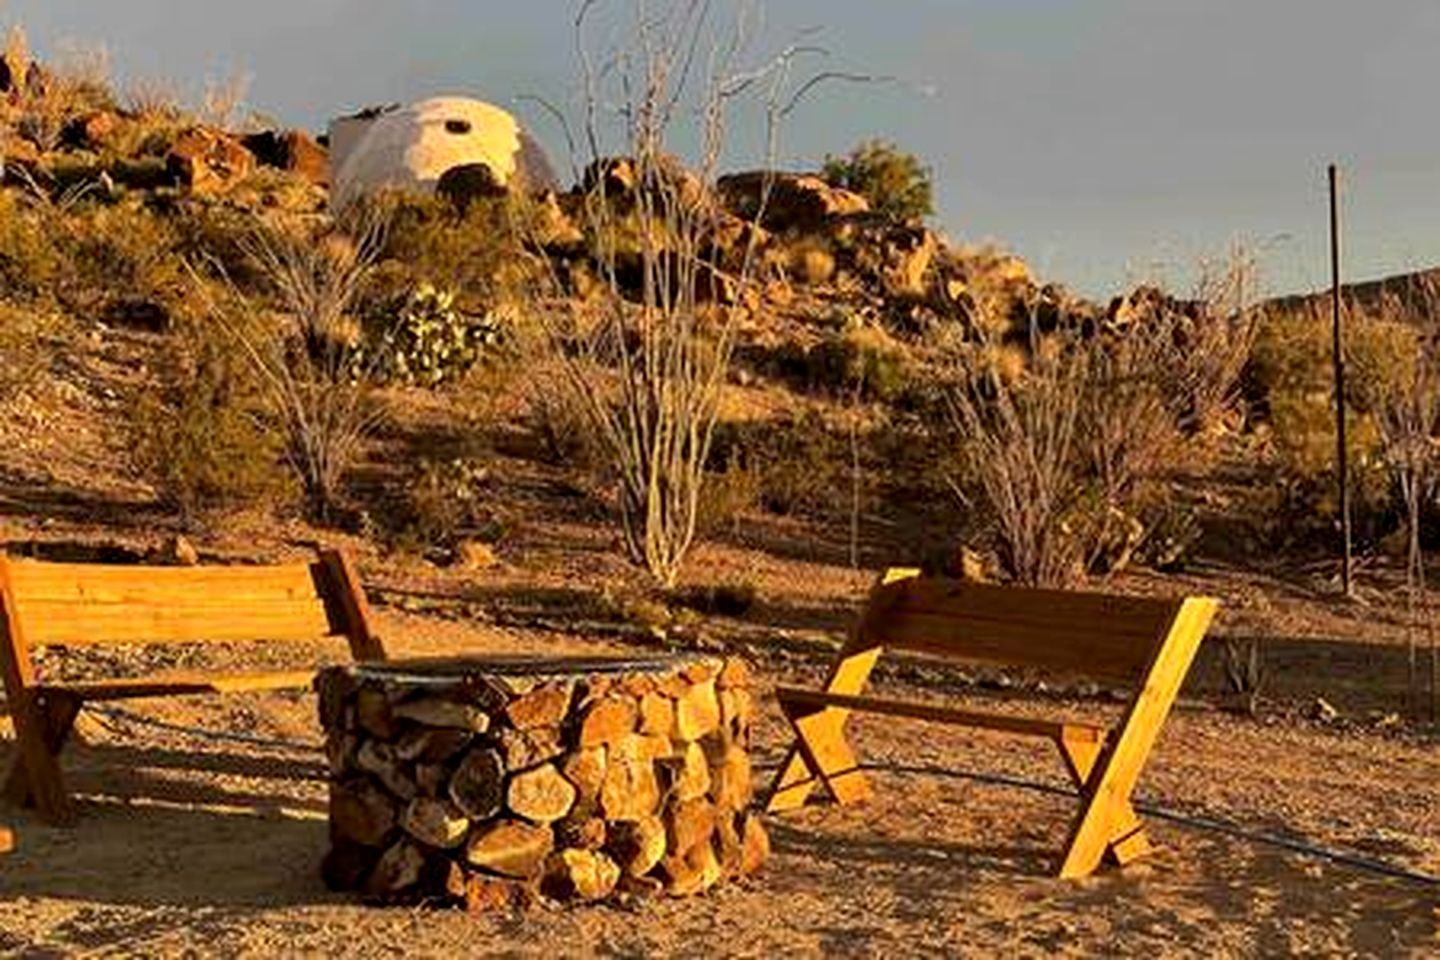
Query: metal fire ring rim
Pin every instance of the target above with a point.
(462, 667)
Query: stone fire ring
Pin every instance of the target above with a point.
(495, 781)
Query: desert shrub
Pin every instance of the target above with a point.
(444, 502)
(731, 492)
(732, 599)
(797, 462)
(122, 253)
(31, 262)
(218, 235)
(1245, 673)
(894, 182)
(1291, 381)
(1069, 454)
(267, 188)
(23, 330)
(476, 255)
(199, 437)
(75, 81)
(298, 333)
(556, 417)
(651, 361)
(860, 358)
(424, 340)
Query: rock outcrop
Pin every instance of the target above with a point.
(207, 161)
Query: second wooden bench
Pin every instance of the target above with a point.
(1147, 644)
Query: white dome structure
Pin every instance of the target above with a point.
(410, 148)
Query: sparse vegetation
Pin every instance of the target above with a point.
(298, 332)
(424, 340)
(661, 321)
(1069, 455)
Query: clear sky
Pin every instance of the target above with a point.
(1103, 140)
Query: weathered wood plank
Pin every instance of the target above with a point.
(183, 621)
(36, 774)
(347, 598)
(101, 583)
(1094, 652)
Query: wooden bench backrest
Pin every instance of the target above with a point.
(81, 604)
(1094, 634)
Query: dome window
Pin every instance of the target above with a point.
(457, 127)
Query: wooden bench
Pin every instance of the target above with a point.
(64, 604)
(1148, 644)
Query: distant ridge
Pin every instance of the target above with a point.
(1408, 289)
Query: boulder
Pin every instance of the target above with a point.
(207, 161)
(12, 72)
(621, 177)
(294, 151)
(796, 201)
(898, 255)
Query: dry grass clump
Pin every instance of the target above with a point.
(791, 465)
(24, 330)
(74, 81)
(860, 360)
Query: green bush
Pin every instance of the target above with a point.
(476, 255)
(199, 437)
(894, 182)
(1290, 380)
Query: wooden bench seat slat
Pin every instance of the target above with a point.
(87, 624)
(129, 688)
(146, 584)
(911, 709)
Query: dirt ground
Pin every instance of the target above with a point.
(192, 847)
(189, 846)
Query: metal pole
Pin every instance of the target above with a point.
(1338, 361)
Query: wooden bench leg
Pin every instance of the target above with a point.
(42, 725)
(1105, 803)
(1081, 749)
(821, 755)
